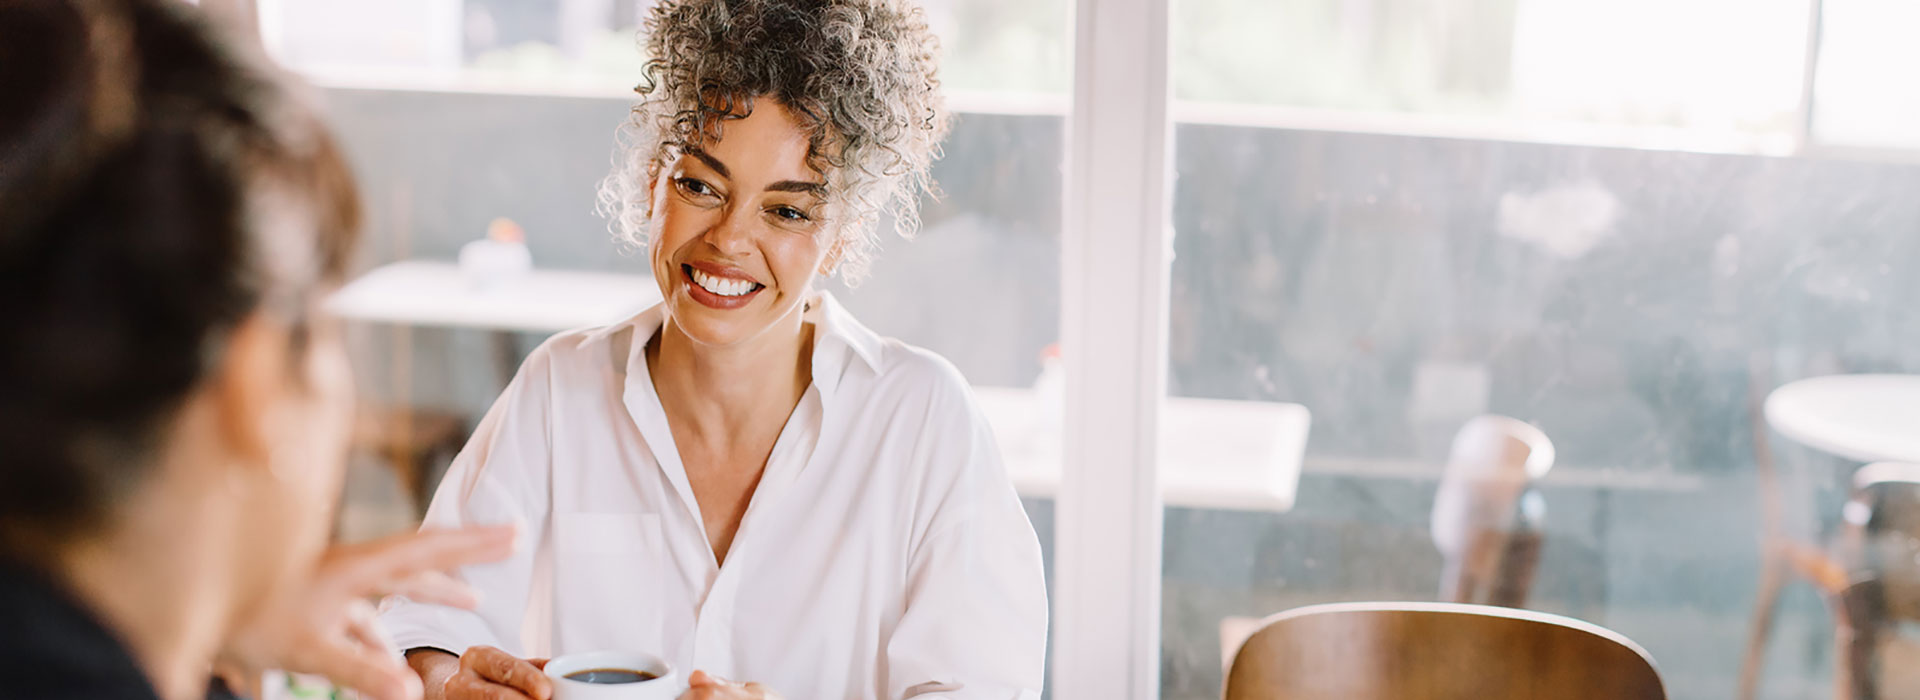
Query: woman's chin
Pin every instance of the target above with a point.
(713, 327)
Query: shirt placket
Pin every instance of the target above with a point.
(713, 628)
(713, 625)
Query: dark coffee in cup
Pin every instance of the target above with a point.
(611, 675)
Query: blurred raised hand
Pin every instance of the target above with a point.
(326, 625)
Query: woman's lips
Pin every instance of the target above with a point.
(718, 291)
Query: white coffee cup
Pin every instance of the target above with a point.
(668, 686)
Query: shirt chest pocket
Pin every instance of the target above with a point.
(608, 572)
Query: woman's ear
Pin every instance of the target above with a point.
(251, 377)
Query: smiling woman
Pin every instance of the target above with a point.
(858, 80)
(713, 216)
(744, 480)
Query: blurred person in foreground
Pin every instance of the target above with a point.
(174, 407)
(745, 480)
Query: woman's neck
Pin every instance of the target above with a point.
(153, 578)
(717, 391)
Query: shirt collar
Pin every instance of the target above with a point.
(841, 344)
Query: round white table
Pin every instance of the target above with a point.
(1862, 417)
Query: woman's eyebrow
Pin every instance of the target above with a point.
(801, 186)
(711, 162)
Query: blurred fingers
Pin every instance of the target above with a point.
(371, 671)
(383, 564)
(363, 626)
(436, 588)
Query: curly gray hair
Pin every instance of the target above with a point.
(858, 74)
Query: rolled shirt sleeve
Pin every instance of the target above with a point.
(975, 625)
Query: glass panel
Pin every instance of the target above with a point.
(1859, 100)
(1634, 305)
(566, 45)
(995, 50)
(1634, 63)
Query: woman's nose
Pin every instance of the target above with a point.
(733, 234)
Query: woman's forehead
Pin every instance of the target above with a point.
(766, 145)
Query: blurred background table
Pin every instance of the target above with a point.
(1861, 417)
(434, 293)
(1232, 455)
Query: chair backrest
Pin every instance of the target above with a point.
(1876, 549)
(1437, 651)
(1487, 519)
(1882, 532)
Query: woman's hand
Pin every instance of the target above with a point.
(325, 624)
(487, 673)
(704, 686)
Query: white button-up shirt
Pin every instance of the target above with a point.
(884, 553)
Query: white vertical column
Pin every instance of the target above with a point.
(1803, 138)
(1106, 634)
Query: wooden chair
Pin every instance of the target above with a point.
(1437, 651)
(1487, 517)
(1876, 552)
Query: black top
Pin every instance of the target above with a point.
(51, 648)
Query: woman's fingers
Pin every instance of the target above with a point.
(468, 685)
(360, 660)
(706, 686)
(436, 588)
(363, 626)
(373, 672)
(506, 669)
(382, 564)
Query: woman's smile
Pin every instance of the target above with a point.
(718, 286)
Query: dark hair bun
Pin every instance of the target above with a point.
(132, 142)
(64, 70)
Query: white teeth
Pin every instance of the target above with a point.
(722, 286)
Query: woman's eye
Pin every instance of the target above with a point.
(790, 214)
(695, 187)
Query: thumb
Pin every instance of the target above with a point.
(701, 679)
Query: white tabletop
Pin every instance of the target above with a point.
(431, 293)
(1235, 455)
(1863, 417)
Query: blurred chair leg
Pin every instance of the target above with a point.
(1773, 573)
(506, 356)
(1774, 563)
(1859, 632)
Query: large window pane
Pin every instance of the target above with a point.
(1716, 67)
(1633, 304)
(996, 52)
(1857, 101)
